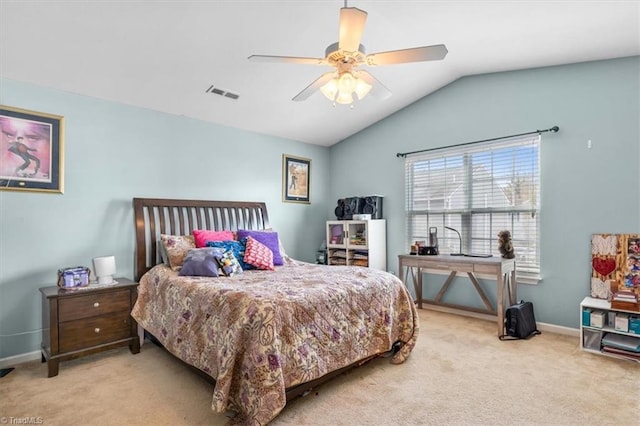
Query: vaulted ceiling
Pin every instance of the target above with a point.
(167, 55)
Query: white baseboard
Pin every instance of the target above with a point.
(558, 329)
(12, 361)
(448, 310)
(551, 328)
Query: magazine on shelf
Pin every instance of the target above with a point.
(622, 341)
(621, 352)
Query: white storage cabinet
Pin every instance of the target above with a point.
(591, 335)
(357, 242)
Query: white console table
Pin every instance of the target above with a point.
(504, 270)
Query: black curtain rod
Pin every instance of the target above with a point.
(553, 129)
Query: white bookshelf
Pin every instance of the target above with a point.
(357, 242)
(591, 336)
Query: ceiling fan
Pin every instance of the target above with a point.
(347, 55)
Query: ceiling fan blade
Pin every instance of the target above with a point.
(352, 22)
(313, 87)
(380, 91)
(288, 59)
(417, 54)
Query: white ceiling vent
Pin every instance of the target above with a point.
(221, 92)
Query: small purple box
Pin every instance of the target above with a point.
(73, 277)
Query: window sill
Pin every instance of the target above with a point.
(531, 280)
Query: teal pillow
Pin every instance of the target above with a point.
(237, 247)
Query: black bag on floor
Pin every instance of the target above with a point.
(519, 322)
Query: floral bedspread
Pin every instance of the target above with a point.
(261, 332)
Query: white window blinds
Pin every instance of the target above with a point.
(479, 190)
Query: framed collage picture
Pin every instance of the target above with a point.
(615, 264)
(296, 172)
(31, 150)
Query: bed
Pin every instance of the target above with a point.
(263, 336)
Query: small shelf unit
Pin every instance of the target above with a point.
(591, 336)
(357, 242)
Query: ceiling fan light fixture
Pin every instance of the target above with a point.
(362, 88)
(330, 89)
(344, 98)
(346, 82)
(341, 89)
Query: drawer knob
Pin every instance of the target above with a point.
(97, 330)
(96, 305)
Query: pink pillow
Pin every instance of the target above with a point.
(258, 255)
(201, 236)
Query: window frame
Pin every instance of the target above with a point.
(473, 239)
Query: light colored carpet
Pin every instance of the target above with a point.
(459, 373)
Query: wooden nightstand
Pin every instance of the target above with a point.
(88, 320)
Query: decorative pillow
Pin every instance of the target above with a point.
(280, 245)
(162, 252)
(176, 248)
(268, 238)
(201, 236)
(201, 262)
(258, 255)
(236, 247)
(228, 263)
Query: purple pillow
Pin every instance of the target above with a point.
(268, 238)
(201, 262)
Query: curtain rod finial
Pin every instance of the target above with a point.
(555, 129)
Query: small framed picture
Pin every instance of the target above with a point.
(31, 150)
(296, 173)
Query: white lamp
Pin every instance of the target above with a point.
(105, 268)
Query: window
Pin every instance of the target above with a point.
(479, 190)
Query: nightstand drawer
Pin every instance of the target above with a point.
(83, 333)
(92, 304)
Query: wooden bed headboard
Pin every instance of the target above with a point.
(155, 216)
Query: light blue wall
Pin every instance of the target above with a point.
(584, 191)
(113, 153)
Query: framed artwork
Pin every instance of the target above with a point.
(296, 172)
(615, 264)
(31, 150)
